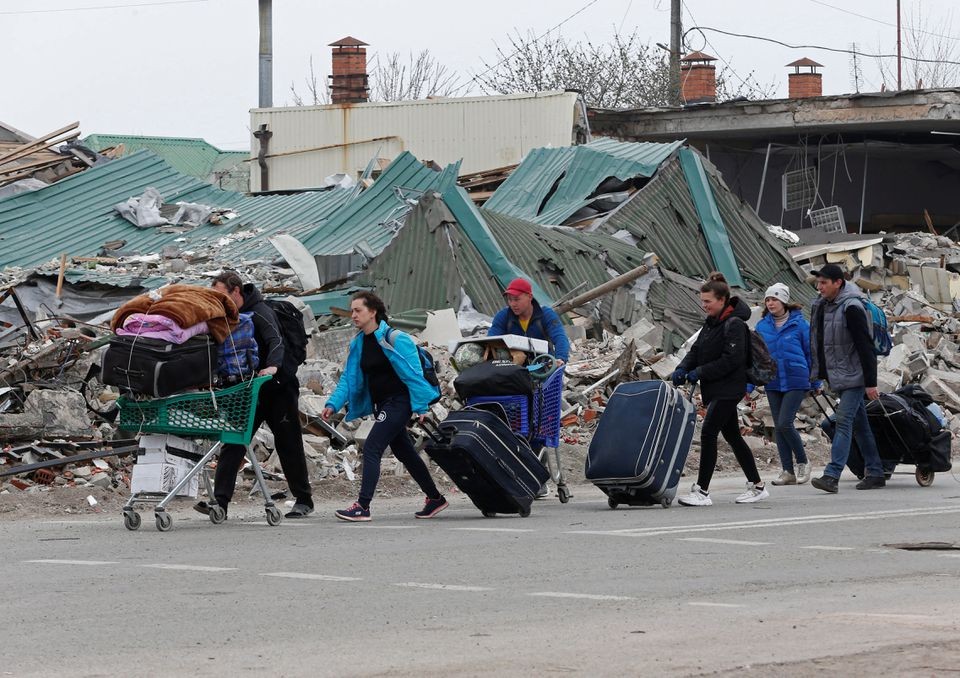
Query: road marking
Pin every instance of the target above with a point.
(77, 522)
(829, 548)
(773, 522)
(307, 575)
(585, 596)
(491, 529)
(388, 527)
(735, 542)
(286, 523)
(74, 562)
(190, 568)
(714, 605)
(950, 555)
(441, 587)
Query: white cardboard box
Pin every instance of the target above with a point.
(511, 341)
(161, 478)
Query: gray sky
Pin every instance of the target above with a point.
(189, 67)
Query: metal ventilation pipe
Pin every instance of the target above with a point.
(266, 53)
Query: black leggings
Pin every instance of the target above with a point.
(722, 417)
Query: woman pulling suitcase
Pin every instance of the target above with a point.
(383, 376)
(718, 360)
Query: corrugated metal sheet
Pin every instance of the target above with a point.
(363, 219)
(193, 157)
(311, 142)
(76, 215)
(529, 192)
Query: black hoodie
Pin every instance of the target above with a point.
(719, 355)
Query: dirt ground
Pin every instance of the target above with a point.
(46, 502)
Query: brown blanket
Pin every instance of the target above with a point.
(186, 305)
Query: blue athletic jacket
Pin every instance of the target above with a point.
(352, 388)
(544, 324)
(789, 345)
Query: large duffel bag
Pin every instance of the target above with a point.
(158, 368)
(487, 461)
(493, 378)
(641, 444)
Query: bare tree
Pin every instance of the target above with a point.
(420, 76)
(931, 42)
(623, 73)
(317, 94)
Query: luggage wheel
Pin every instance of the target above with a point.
(612, 503)
(489, 514)
(665, 502)
(924, 477)
(524, 512)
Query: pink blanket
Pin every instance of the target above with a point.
(159, 327)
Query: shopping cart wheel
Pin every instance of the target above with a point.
(524, 512)
(563, 494)
(131, 520)
(164, 522)
(924, 477)
(273, 516)
(489, 514)
(217, 514)
(612, 503)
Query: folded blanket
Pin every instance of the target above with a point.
(156, 326)
(186, 305)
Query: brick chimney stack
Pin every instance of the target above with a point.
(698, 78)
(805, 84)
(348, 84)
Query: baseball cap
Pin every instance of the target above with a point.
(519, 286)
(830, 272)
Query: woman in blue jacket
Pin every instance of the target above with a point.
(787, 335)
(383, 376)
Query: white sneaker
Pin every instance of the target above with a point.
(803, 473)
(753, 494)
(785, 478)
(697, 497)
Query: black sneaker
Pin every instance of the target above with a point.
(431, 507)
(826, 483)
(871, 483)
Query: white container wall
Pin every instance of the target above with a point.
(313, 142)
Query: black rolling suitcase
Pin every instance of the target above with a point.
(157, 368)
(641, 444)
(487, 461)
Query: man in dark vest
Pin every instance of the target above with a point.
(843, 355)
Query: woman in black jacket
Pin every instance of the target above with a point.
(718, 360)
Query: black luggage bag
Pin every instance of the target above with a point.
(487, 461)
(158, 368)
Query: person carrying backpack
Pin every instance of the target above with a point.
(383, 376)
(278, 403)
(787, 336)
(718, 360)
(843, 354)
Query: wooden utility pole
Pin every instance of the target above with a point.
(899, 52)
(675, 48)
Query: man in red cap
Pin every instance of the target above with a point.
(524, 316)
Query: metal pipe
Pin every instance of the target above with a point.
(266, 53)
(263, 136)
(763, 178)
(608, 286)
(863, 194)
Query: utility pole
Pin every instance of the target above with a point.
(899, 54)
(266, 53)
(675, 47)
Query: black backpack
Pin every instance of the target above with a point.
(427, 365)
(293, 333)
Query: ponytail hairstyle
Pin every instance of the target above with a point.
(373, 303)
(717, 285)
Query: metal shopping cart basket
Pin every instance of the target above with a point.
(538, 420)
(225, 416)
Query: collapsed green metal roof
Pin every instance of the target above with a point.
(76, 215)
(551, 184)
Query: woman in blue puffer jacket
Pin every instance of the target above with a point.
(787, 335)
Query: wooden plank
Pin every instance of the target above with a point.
(42, 142)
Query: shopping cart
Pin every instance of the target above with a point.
(225, 416)
(538, 420)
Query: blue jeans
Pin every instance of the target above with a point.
(784, 405)
(852, 422)
(390, 429)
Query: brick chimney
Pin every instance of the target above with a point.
(805, 84)
(698, 79)
(348, 84)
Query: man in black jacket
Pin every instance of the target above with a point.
(278, 404)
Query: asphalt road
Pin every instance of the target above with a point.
(801, 584)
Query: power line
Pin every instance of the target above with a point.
(99, 7)
(880, 21)
(714, 49)
(535, 40)
(701, 29)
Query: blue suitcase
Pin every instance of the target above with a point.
(641, 444)
(487, 461)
